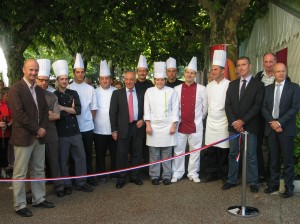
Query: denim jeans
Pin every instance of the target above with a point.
(252, 168)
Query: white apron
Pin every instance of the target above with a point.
(161, 130)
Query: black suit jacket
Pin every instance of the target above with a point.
(288, 108)
(247, 109)
(118, 111)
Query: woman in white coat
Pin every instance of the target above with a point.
(161, 117)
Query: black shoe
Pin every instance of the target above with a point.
(254, 188)
(271, 189)
(60, 193)
(92, 182)
(24, 212)
(84, 188)
(45, 204)
(288, 193)
(137, 181)
(262, 180)
(166, 181)
(68, 190)
(120, 184)
(155, 181)
(228, 185)
(209, 179)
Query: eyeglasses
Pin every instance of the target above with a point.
(43, 80)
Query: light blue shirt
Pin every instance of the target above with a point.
(135, 103)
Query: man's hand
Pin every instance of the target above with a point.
(238, 125)
(274, 125)
(41, 133)
(279, 130)
(2, 125)
(114, 135)
(139, 123)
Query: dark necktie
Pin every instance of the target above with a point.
(243, 89)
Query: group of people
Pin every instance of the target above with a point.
(149, 122)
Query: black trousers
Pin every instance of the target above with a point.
(87, 138)
(132, 144)
(3, 152)
(260, 157)
(216, 162)
(280, 144)
(102, 143)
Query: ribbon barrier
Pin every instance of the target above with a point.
(122, 170)
(243, 210)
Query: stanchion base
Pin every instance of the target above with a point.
(248, 211)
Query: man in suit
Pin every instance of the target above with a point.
(126, 118)
(267, 77)
(242, 105)
(30, 118)
(280, 107)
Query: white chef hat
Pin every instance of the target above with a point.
(219, 58)
(60, 67)
(78, 61)
(193, 64)
(104, 69)
(171, 63)
(44, 67)
(160, 70)
(142, 62)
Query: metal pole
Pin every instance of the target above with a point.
(243, 210)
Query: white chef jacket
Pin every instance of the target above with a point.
(161, 109)
(217, 123)
(102, 121)
(200, 107)
(88, 103)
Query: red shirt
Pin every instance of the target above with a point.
(5, 114)
(188, 101)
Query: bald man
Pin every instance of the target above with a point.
(30, 117)
(280, 107)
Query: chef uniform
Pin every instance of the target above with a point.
(102, 131)
(217, 124)
(85, 119)
(193, 109)
(161, 109)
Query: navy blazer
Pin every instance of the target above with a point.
(248, 108)
(118, 111)
(288, 108)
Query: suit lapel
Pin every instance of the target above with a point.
(27, 92)
(284, 92)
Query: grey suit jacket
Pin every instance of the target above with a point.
(25, 114)
(288, 108)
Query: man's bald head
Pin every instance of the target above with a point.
(279, 71)
(30, 70)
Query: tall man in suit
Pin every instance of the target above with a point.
(242, 105)
(126, 118)
(30, 118)
(280, 107)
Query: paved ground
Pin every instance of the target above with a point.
(183, 202)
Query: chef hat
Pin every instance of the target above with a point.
(171, 63)
(142, 62)
(104, 69)
(193, 64)
(219, 58)
(160, 70)
(78, 61)
(44, 67)
(60, 67)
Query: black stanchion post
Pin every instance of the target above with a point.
(243, 210)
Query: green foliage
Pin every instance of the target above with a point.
(297, 148)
